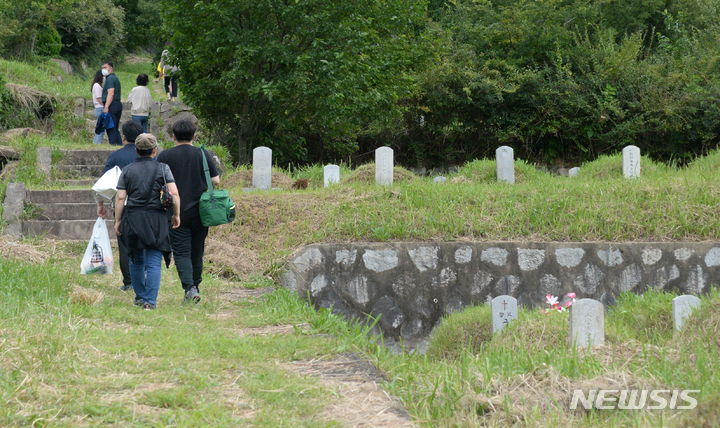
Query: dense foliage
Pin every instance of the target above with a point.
(303, 77)
(77, 30)
(571, 80)
(440, 81)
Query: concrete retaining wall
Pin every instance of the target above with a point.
(412, 285)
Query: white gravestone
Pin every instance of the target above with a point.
(262, 168)
(439, 179)
(505, 164)
(504, 309)
(587, 323)
(573, 172)
(384, 164)
(682, 307)
(331, 174)
(631, 162)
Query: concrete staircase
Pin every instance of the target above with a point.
(62, 213)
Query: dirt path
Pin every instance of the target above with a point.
(363, 402)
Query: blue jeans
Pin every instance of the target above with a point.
(98, 137)
(145, 273)
(142, 120)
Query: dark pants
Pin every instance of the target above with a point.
(188, 245)
(171, 86)
(113, 133)
(124, 261)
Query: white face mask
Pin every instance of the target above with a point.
(105, 72)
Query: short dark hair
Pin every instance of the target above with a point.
(142, 80)
(147, 152)
(110, 63)
(184, 130)
(131, 130)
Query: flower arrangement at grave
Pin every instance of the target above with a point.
(560, 307)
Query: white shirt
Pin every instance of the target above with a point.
(97, 93)
(141, 100)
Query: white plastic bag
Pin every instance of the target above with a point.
(106, 186)
(98, 258)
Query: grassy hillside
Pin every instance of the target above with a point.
(75, 352)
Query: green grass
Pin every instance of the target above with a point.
(66, 363)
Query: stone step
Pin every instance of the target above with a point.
(78, 171)
(86, 157)
(64, 229)
(78, 182)
(70, 196)
(81, 211)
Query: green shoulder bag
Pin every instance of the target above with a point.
(216, 207)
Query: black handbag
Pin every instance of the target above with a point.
(166, 197)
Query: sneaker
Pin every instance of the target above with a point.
(148, 306)
(192, 295)
(138, 302)
(126, 287)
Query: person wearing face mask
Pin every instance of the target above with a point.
(111, 101)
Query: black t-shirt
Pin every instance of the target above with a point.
(137, 178)
(111, 82)
(186, 164)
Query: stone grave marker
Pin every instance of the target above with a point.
(587, 323)
(504, 309)
(262, 168)
(573, 172)
(439, 179)
(384, 164)
(631, 162)
(682, 307)
(505, 164)
(331, 174)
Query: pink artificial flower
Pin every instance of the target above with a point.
(551, 300)
(572, 296)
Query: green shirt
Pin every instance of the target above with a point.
(111, 82)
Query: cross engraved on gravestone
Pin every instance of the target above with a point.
(384, 164)
(331, 174)
(504, 309)
(587, 320)
(682, 307)
(262, 168)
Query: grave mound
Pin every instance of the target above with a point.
(366, 174)
(229, 260)
(244, 179)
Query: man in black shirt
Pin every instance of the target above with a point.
(121, 158)
(111, 99)
(188, 240)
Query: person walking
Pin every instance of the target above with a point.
(188, 240)
(111, 101)
(122, 158)
(96, 89)
(169, 73)
(141, 100)
(141, 219)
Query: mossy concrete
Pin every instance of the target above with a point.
(412, 285)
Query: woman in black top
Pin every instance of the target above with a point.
(142, 221)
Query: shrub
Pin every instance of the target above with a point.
(48, 42)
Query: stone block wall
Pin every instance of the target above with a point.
(412, 285)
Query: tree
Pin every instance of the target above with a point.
(142, 20)
(91, 30)
(20, 22)
(288, 73)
